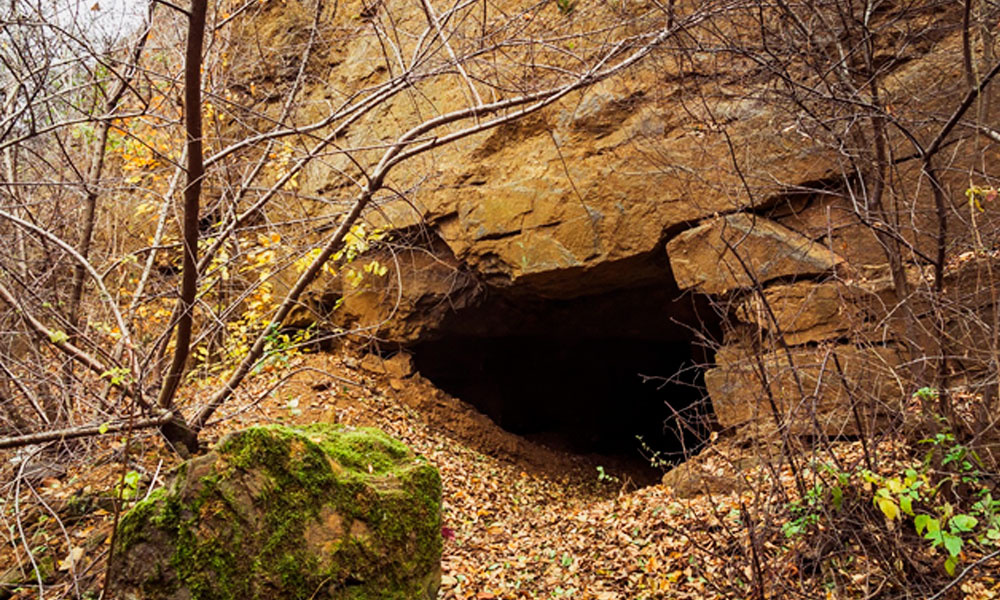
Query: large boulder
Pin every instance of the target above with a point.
(272, 512)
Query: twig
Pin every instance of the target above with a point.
(20, 529)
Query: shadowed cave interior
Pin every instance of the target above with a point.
(569, 374)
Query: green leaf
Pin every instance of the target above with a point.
(952, 543)
(103, 428)
(920, 523)
(933, 526)
(566, 560)
(949, 564)
(837, 495)
(933, 531)
(58, 336)
(906, 505)
(791, 529)
(963, 523)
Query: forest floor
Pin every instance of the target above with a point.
(519, 521)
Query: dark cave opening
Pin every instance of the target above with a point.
(615, 376)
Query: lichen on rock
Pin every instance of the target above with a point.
(273, 512)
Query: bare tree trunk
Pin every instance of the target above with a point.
(176, 430)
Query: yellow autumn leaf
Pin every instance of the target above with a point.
(888, 507)
(652, 565)
(264, 257)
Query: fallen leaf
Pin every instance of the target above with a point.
(74, 556)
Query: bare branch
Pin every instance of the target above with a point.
(85, 431)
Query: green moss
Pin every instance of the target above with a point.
(131, 527)
(364, 451)
(242, 523)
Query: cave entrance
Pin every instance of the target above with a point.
(615, 376)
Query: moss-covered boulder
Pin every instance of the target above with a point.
(273, 512)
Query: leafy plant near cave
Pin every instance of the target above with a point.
(945, 504)
(357, 242)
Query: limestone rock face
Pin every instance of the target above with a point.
(272, 512)
(562, 204)
(573, 200)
